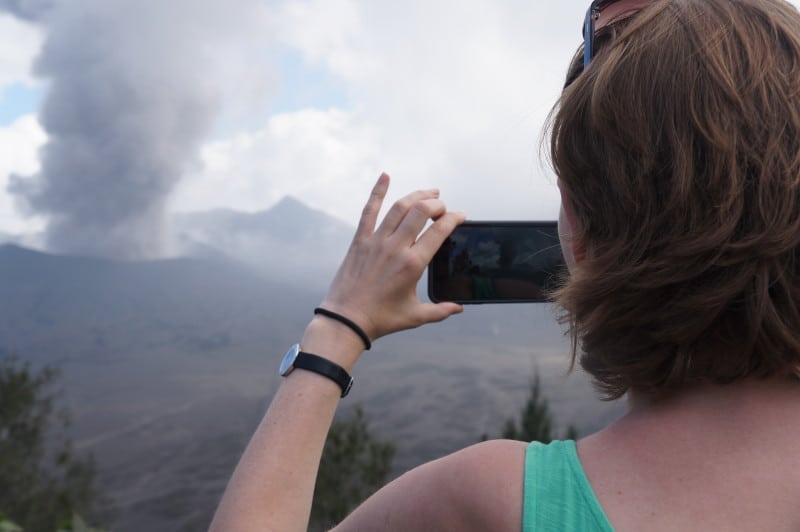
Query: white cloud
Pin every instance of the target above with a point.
(321, 157)
(458, 91)
(19, 44)
(451, 94)
(445, 94)
(20, 143)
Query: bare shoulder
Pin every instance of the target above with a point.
(477, 488)
(488, 481)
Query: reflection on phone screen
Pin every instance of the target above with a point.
(483, 262)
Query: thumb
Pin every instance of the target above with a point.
(435, 312)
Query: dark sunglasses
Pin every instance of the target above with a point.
(592, 15)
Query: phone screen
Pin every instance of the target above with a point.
(497, 262)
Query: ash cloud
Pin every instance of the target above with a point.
(132, 93)
(30, 10)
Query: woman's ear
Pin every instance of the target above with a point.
(573, 249)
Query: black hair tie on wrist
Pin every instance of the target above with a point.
(338, 317)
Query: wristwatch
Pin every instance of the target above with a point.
(294, 358)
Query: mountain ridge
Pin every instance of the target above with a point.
(290, 240)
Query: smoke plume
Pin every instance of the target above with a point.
(132, 93)
(31, 10)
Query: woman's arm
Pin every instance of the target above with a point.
(273, 484)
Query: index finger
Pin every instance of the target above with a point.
(431, 240)
(369, 216)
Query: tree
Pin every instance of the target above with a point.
(354, 465)
(43, 485)
(75, 525)
(7, 526)
(536, 422)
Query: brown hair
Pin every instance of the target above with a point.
(679, 151)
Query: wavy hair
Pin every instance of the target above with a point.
(679, 151)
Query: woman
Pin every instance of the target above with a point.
(677, 146)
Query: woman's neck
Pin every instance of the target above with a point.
(773, 390)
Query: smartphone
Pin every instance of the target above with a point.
(497, 262)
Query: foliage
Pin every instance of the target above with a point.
(76, 524)
(42, 482)
(536, 422)
(354, 465)
(7, 526)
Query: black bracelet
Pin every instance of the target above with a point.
(338, 317)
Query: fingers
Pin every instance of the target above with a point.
(416, 218)
(431, 240)
(369, 216)
(400, 209)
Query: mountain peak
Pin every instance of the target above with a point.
(289, 205)
(289, 201)
(290, 211)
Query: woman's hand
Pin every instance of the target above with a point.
(376, 285)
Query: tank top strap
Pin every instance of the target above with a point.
(557, 494)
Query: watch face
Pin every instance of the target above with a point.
(287, 364)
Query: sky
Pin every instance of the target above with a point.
(114, 113)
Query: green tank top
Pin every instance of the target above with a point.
(557, 494)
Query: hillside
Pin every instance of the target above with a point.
(96, 308)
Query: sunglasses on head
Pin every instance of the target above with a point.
(601, 13)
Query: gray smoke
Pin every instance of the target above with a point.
(31, 10)
(132, 93)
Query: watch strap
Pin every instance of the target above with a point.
(325, 367)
